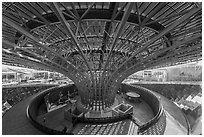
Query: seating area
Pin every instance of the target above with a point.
(13, 95)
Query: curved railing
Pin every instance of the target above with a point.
(101, 120)
(146, 95)
(153, 101)
(31, 113)
(35, 102)
(157, 127)
(158, 121)
(188, 124)
(44, 128)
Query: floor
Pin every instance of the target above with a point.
(197, 128)
(118, 128)
(15, 122)
(173, 126)
(141, 111)
(55, 119)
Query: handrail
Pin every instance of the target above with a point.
(101, 120)
(160, 121)
(155, 119)
(188, 124)
(151, 122)
(136, 121)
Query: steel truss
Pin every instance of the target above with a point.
(98, 45)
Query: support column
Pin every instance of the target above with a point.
(95, 99)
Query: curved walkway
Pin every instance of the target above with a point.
(15, 122)
(173, 110)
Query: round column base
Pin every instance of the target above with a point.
(95, 107)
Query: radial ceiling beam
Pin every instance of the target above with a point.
(163, 32)
(21, 15)
(121, 26)
(138, 13)
(25, 60)
(36, 13)
(34, 54)
(119, 30)
(168, 17)
(113, 7)
(121, 9)
(75, 11)
(84, 14)
(71, 14)
(162, 60)
(192, 38)
(34, 64)
(62, 19)
(152, 13)
(29, 35)
(19, 55)
(182, 33)
(79, 22)
(68, 29)
(84, 34)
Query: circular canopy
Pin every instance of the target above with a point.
(101, 35)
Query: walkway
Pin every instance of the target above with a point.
(15, 122)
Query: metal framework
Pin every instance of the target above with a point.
(99, 44)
